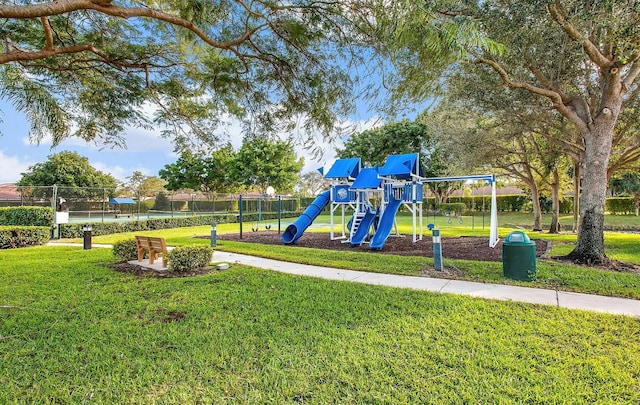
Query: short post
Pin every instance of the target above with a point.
(437, 250)
(240, 213)
(86, 229)
(213, 234)
(279, 212)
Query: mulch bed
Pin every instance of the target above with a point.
(465, 247)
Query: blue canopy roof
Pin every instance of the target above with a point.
(368, 178)
(344, 168)
(122, 201)
(400, 166)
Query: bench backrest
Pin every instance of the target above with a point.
(158, 245)
(143, 242)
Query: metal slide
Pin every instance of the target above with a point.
(386, 224)
(296, 229)
(363, 227)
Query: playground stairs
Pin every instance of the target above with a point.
(357, 220)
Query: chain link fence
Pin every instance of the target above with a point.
(84, 204)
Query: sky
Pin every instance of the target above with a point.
(146, 151)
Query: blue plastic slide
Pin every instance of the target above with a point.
(385, 224)
(296, 229)
(363, 228)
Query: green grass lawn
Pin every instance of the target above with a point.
(75, 331)
(550, 274)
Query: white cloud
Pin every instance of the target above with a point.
(11, 167)
(116, 171)
(328, 147)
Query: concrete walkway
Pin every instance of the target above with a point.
(595, 303)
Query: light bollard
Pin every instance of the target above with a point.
(86, 230)
(437, 250)
(213, 234)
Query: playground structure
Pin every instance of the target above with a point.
(374, 196)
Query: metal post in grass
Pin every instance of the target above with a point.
(437, 250)
(86, 230)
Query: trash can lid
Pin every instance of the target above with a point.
(517, 238)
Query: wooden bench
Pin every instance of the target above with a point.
(155, 247)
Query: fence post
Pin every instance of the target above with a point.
(54, 197)
(240, 213)
(279, 212)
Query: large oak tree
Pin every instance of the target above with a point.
(582, 57)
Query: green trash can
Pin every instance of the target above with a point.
(519, 257)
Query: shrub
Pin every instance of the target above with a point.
(125, 250)
(26, 216)
(22, 236)
(620, 205)
(185, 258)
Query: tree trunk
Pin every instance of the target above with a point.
(555, 198)
(598, 138)
(537, 211)
(590, 246)
(576, 196)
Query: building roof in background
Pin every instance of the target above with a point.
(9, 192)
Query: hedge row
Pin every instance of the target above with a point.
(26, 216)
(21, 236)
(620, 205)
(107, 228)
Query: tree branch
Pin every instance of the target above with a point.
(633, 73)
(560, 16)
(548, 83)
(19, 55)
(555, 97)
(48, 34)
(104, 6)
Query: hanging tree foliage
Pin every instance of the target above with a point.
(92, 68)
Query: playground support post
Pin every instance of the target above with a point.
(493, 232)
